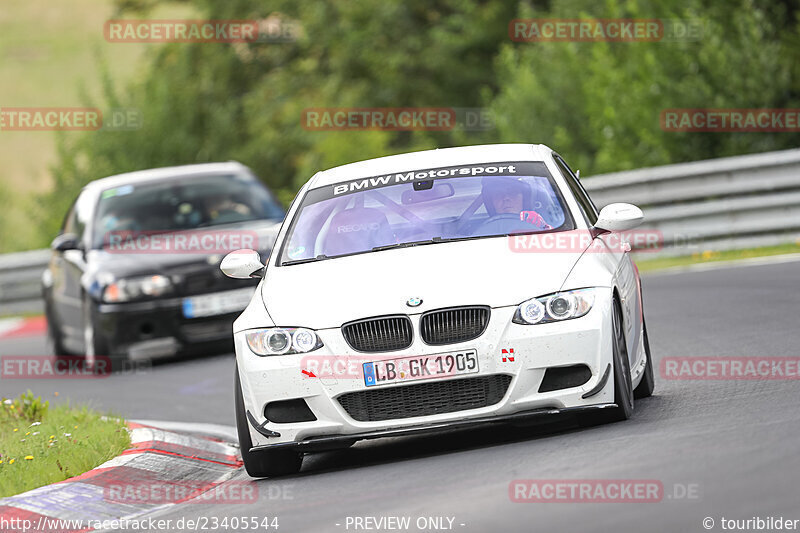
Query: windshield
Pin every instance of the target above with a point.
(425, 206)
(183, 204)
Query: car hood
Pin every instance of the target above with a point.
(123, 263)
(328, 293)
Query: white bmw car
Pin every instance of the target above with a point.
(431, 290)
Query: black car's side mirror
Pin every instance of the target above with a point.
(66, 241)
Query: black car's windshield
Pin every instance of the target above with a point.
(424, 207)
(183, 204)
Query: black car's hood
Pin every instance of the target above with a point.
(105, 265)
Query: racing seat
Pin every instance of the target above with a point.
(357, 229)
(543, 203)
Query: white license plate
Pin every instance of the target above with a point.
(420, 367)
(218, 303)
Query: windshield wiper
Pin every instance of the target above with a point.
(467, 238)
(473, 237)
(406, 244)
(320, 257)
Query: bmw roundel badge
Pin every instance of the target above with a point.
(414, 302)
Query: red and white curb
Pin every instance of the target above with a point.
(22, 327)
(157, 458)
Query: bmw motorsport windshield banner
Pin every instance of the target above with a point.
(377, 182)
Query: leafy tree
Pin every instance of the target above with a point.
(598, 103)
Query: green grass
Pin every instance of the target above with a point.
(650, 265)
(40, 445)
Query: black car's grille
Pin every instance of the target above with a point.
(425, 399)
(210, 280)
(198, 329)
(456, 324)
(379, 334)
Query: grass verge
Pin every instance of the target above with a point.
(40, 444)
(650, 265)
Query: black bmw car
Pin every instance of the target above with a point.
(134, 272)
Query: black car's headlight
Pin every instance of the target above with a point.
(128, 289)
(555, 307)
(282, 341)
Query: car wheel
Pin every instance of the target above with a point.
(93, 344)
(55, 342)
(264, 463)
(623, 390)
(648, 383)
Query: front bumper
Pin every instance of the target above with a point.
(582, 341)
(158, 328)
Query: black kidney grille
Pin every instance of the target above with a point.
(423, 399)
(381, 334)
(456, 324)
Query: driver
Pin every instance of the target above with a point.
(505, 195)
(222, 207)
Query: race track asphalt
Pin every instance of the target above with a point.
(731, 444)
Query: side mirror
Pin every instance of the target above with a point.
(242, 264)
(619, 217)
(64, 242)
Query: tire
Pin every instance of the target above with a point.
(648, 383)
(623, 390)
(264, 463)
(54, 340)
(94, 346)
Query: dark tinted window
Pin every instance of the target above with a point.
(183, 204)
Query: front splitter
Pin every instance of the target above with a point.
(333, 441)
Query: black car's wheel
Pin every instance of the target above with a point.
(54, 339)
(645, 387)
(623, 390)
(96, 351)
(264, 463)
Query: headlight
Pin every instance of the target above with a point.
(555, 307)
(282, 341)
(125, 290)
